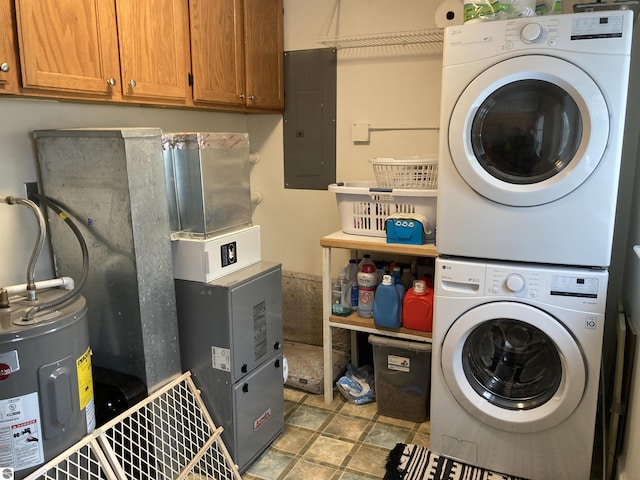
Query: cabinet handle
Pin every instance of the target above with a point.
(243, 369)
(252, 97)
(111, 82)
(132, 83)
(242, 96)
(4, 67)
(276, 346)
(245, 387)
(277, 364)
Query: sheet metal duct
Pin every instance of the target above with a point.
(112, 182)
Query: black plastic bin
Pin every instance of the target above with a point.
(402, 377)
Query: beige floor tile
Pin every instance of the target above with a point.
(292, 439)
(329, 450)
(425, 427)
(421, 438)
(349, 428)
(310, 471)
(368, 410)
(369, 460)
(293, 395)
(396, 421)
(318, 401)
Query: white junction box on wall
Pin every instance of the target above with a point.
(201, 260)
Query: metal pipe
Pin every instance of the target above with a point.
(31, 284)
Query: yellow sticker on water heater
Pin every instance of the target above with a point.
(85, 378)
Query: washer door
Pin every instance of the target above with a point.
(528, 130)
(513, 367)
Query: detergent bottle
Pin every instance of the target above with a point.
(387, 305)
(417, 307)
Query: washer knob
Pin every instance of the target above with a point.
(515, 282)
(531, 32)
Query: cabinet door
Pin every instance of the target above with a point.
(264, 47)
(68, 45)
(8, 57)
(154, 49)
(217, 51)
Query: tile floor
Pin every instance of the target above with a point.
(340, 441)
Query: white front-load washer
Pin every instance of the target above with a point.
(515, 366)
(532, 120)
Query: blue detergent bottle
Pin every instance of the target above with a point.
(387, 310)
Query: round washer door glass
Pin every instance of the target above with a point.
(528, 130)
(512, 364)
(513, 367)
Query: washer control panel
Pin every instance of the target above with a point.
(567, 286)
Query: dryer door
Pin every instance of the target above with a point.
(528, 130)
(513, 366)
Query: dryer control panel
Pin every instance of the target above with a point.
(604, 32)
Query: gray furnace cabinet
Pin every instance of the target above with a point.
(231, 340)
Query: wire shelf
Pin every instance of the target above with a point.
(169, 435)
(384, 39)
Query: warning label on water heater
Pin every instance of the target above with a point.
(20, 432)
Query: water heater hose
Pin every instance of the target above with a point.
(31, 285)
(52, 204)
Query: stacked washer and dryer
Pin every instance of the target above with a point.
(532, 116)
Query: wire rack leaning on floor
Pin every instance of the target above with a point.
(168, 435)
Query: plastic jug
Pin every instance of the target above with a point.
(417, 307)
(387, 305)
(367, 279)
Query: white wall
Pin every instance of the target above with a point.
(395, 86)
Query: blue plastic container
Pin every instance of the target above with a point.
(387, 305)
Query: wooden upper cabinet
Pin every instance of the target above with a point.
(8, 50)
(264, 45)
(237, 52)
(217, 51)
(68, 45)
(154, 49)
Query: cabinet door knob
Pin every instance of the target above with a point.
(4, 67)
(111, 82)
(132, 83)
(242, 96)
(245, 387)
(243, 368)
(276, 346)
(277, 363)
(252, 97)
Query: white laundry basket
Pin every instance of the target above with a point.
(364, 207)
(418, 172)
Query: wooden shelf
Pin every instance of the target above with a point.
(377, 244)
(355, 322)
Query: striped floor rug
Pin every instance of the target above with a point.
(413, 462)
